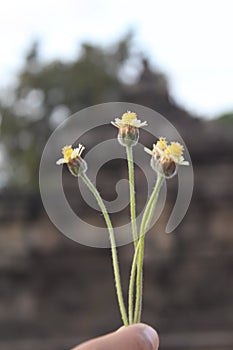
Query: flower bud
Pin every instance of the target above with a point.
(128, 135)
(128, 127)
(166, 168)
(72, 158)
(77, 166)
(165, 158)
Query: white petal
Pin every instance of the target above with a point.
(184, 162)
(158, 149)
(116, 125)
(135, 122)
(147, 150)
(75, 153)
(81, 149)
(174, 159)
(119, 121)
(143, 123)
(61, 161)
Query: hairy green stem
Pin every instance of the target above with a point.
(129, 151)
(146, 219)
(132, 284)
(113, 246)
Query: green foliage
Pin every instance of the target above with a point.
(47, 93)
(226, 118)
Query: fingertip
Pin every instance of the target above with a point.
(134, 337)
(147, 337)
(151, 335)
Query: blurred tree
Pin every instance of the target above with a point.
(47, 93)
(226, 118)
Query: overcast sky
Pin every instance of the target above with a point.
(190, 40)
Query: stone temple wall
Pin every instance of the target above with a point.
(54, 293)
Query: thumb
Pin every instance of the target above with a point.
(136, 337)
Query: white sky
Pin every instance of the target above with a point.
(190, 40)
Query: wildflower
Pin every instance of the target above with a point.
(128, 127)
(166, 158)
(162, 143)
(72, 157)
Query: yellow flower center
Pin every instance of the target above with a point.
(175, 149)
(162, 143)
(128, 117)
(67, 151)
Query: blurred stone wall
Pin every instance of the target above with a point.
(55, 293)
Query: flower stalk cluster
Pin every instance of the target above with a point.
(165, 160)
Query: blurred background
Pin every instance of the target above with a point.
(59, 57)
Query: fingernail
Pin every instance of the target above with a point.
(151, 336)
